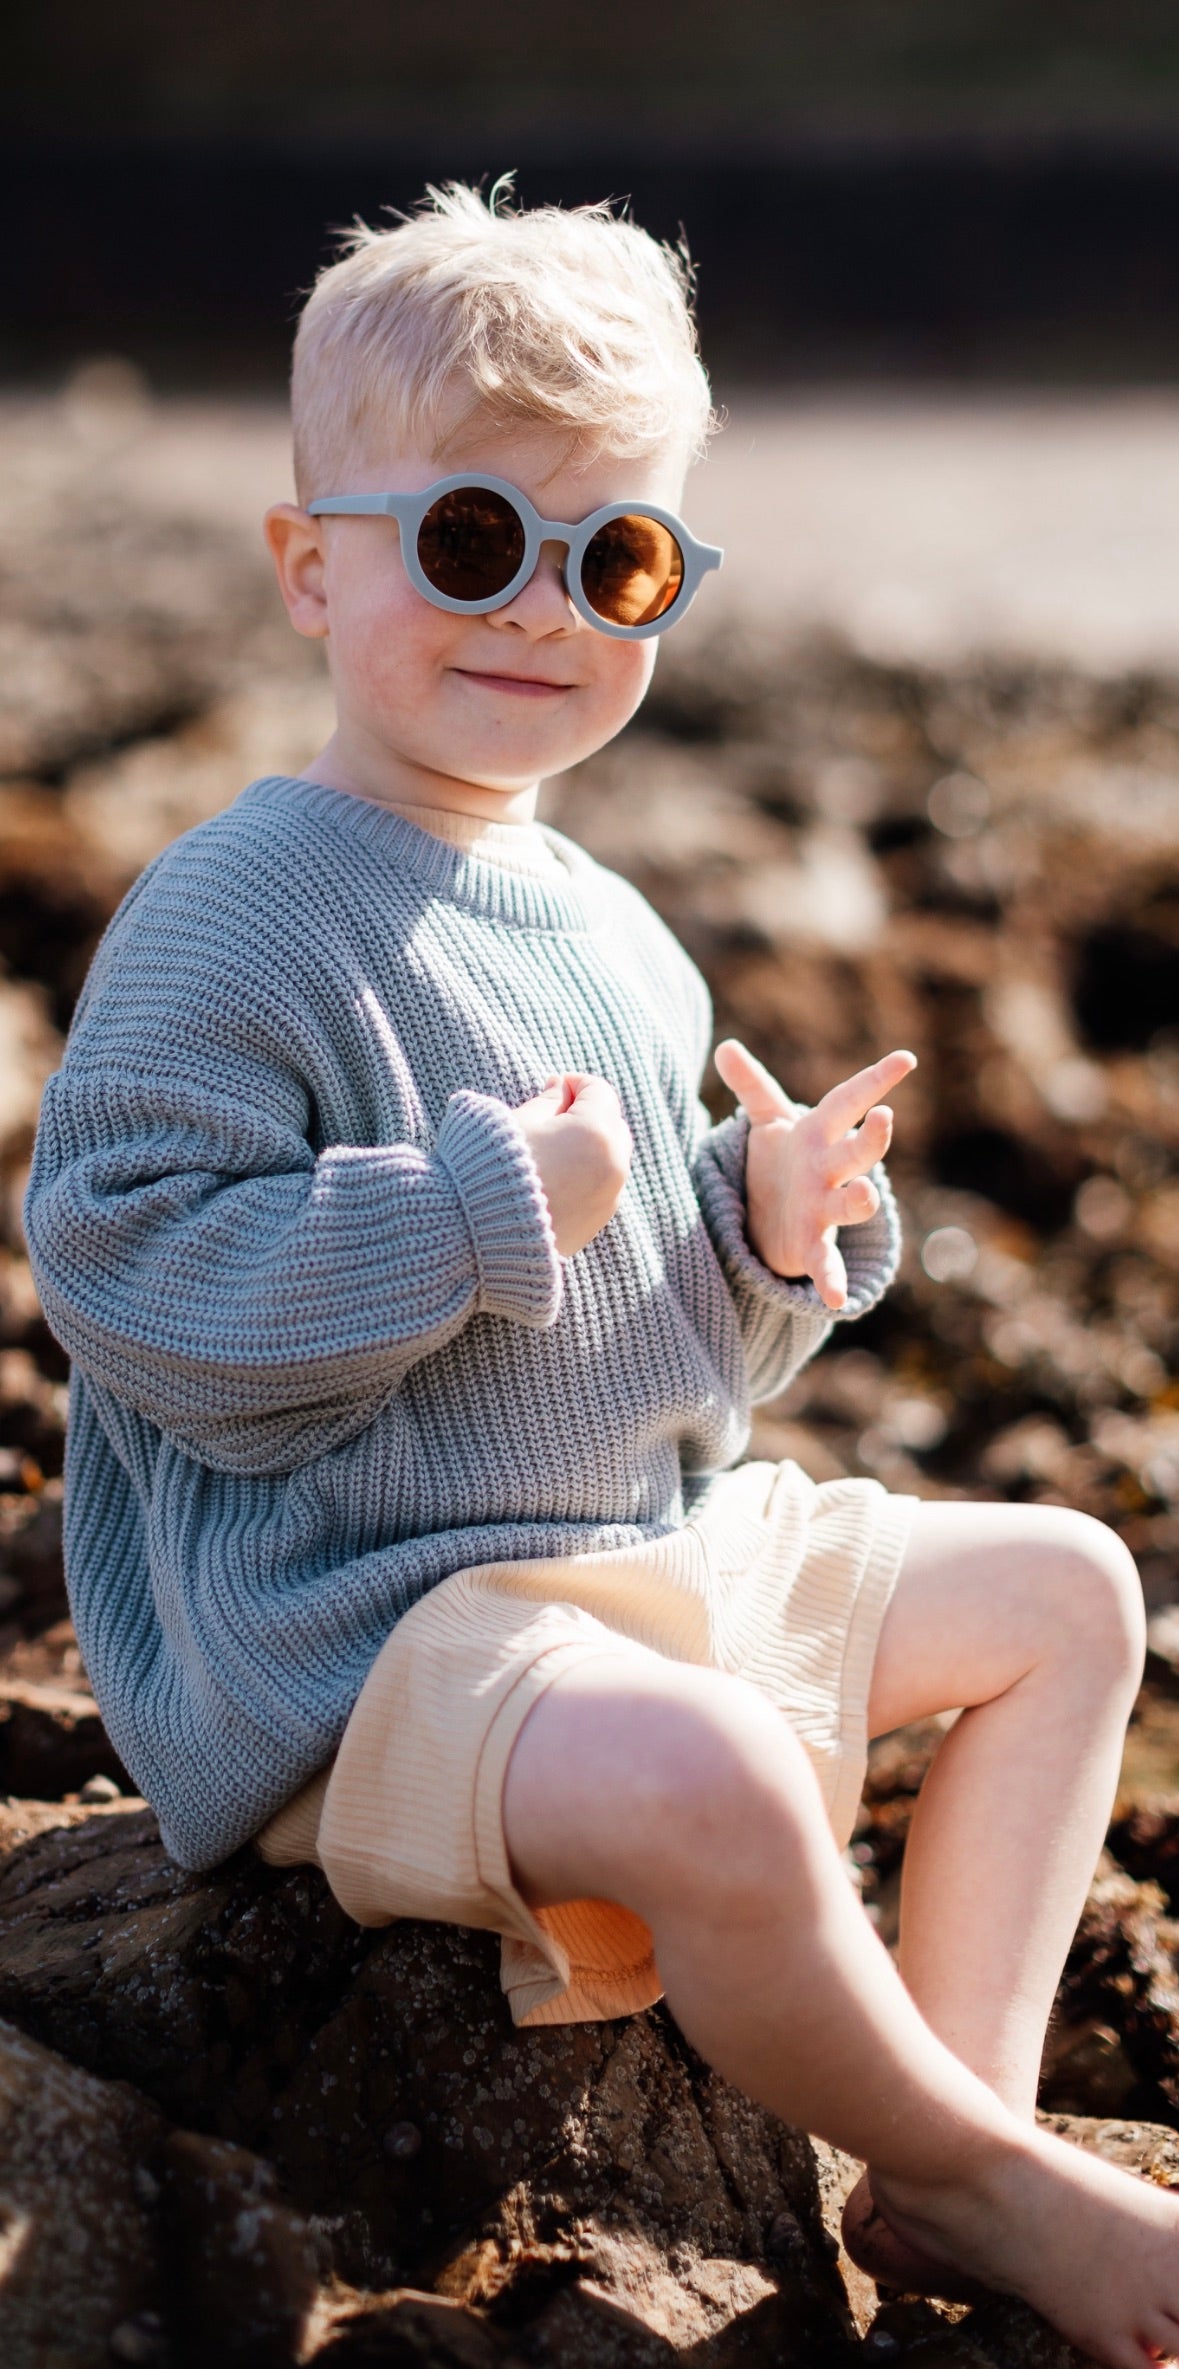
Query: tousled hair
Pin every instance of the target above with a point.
(472, 311)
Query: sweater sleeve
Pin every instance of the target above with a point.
(783, 1323)
(254, 1300)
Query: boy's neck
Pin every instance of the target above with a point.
(347, 764)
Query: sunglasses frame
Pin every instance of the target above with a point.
(409, 510)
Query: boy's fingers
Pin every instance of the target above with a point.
(857, 1201)
(596, 1100)
(855, 1153)
(847, 1104)
(757, 1092)
(592, 1093)
(555, 1090)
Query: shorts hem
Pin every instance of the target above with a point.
(541, 1981)
(873, 1596)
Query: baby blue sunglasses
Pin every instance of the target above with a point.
(470, 544)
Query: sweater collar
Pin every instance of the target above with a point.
(571, 900)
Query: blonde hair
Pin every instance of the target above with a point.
(472, 310)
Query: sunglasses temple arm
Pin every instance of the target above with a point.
(357, 506)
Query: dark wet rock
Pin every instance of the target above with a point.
(588, 2196)
(244, 2271)
(80, 2250)
(123, 2240)
(52, 1741)
(31, 1571)
(205, 1990)
(1144, 1839)
(1113, 2045)
(141, 2341)
(595, 2181)
(420, 2331)
(21, 1821)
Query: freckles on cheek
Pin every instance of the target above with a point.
(387, 660)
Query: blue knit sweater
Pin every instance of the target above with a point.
(324, 1350)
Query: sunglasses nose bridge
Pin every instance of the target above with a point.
(551, 535)
(546, 545)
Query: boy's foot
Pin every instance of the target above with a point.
(1092, 2249)
(875, 2246)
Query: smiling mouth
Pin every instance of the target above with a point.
(534, 685)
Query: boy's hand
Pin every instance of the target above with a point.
(806, 1173)
(582, 1146)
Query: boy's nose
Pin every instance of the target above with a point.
(542, 605)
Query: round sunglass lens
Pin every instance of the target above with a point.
(471, 544)
(632, 570)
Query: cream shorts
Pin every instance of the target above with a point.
(775, 1579)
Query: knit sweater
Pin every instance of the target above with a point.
(324, 1350)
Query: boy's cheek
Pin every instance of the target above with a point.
(626, 681)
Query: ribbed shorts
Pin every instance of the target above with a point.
(775, 1579)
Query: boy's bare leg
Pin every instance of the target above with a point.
(1032, 1617)
(683, 1795)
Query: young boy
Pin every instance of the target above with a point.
(415, 1310)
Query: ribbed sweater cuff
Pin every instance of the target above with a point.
(870, 1252)
(498, 1183)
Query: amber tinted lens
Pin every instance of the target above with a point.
(471, 544)
(632, 570)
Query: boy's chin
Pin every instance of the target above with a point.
(526, 769)
(496, 786)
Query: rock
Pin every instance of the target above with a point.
(31, 1554)
(52, 1741)
(1144, 1839)
(1113, 2042)
(591, 2182)
(243, 2270)
(837, 2175)
(20, 1821)
(30, 1048)
(121, 2239)
(418, 2331)
(132, 804)
(436, 2185)
(80, 2249)
(207, 1990)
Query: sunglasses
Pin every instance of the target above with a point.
(470, 544)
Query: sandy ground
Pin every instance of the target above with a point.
(918, 526)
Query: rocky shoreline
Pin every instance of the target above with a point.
(234, 2125)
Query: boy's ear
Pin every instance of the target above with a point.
(296, 547)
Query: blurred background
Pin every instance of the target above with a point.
(910, 772)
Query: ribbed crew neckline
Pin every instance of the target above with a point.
(521, 899)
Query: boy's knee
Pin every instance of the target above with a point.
(728, 1804)
(1102, 1614)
